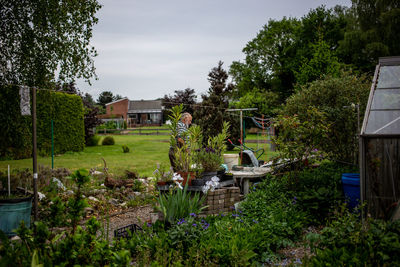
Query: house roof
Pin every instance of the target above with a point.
(116, 101)
(142, 106)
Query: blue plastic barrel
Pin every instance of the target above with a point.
(351, 188)
(12, 212)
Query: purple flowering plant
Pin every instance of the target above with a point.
(209, 157)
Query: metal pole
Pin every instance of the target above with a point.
(34, 155)
(9, 183)
(241, 136)
(52, 145)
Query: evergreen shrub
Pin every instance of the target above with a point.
(65, 110)
(125, 148)
(93, 140)
(108, 141)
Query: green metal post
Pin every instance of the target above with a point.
(244, 131)
(52, 145)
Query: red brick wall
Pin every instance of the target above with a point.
(120, 107)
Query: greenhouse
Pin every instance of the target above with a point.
(379, 141)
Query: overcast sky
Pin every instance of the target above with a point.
(149, 48)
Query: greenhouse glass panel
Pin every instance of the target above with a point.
(389, 77)
(386, 99)
(383, 122)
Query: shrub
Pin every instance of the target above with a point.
(125, 148)
(108, 141)
(65, 110)
(93, 140)
(347, 241)
(331, 96)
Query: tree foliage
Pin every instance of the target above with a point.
(211, 114)
(105, 97)
(267, 102)
(372, 33)
(334, 97)
(42, 37)
(276, 56)
(186, 97)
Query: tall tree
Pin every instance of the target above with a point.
(211, 114)
(105, 97)
(372, 33)
(186, 97)
(282, 47)
(39, 38)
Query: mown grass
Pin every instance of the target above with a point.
(145, 152)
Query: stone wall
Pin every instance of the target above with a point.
(221, 200)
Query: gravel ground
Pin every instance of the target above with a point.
(138, 215)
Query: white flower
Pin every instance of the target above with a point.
(215, 179)
(177, 177)
(178, 184)
(211, 185)
(205, 188)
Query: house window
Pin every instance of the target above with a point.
(155, 117)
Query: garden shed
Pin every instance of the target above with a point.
(380, 141)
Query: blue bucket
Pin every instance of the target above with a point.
(351, 188)
(12, 212)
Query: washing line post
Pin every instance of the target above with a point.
(241, 127)
(52, 144)
(264, 139)
(34, 155)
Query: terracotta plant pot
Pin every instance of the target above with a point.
(160, 183)
(185, 176)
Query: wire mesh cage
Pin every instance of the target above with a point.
(127, 231)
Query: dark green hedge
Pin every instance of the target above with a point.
(65, 110)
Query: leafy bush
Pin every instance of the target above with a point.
(331, 96)
(319, 190)
(125, 148)
(108, 141)
(273, 206)
(346, 241)
(93, 140)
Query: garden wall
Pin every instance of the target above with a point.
(221, 200)
(16, 130)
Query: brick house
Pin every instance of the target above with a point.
(136, 112)
(118, 108)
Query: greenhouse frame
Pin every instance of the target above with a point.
(380, 142)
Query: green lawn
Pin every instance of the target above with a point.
(145, 152)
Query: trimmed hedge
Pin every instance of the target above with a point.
(66, 111)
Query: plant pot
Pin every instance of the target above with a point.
(161, 183)
(198, 182)
(13, 211)
(206, 176)
(187, 177)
